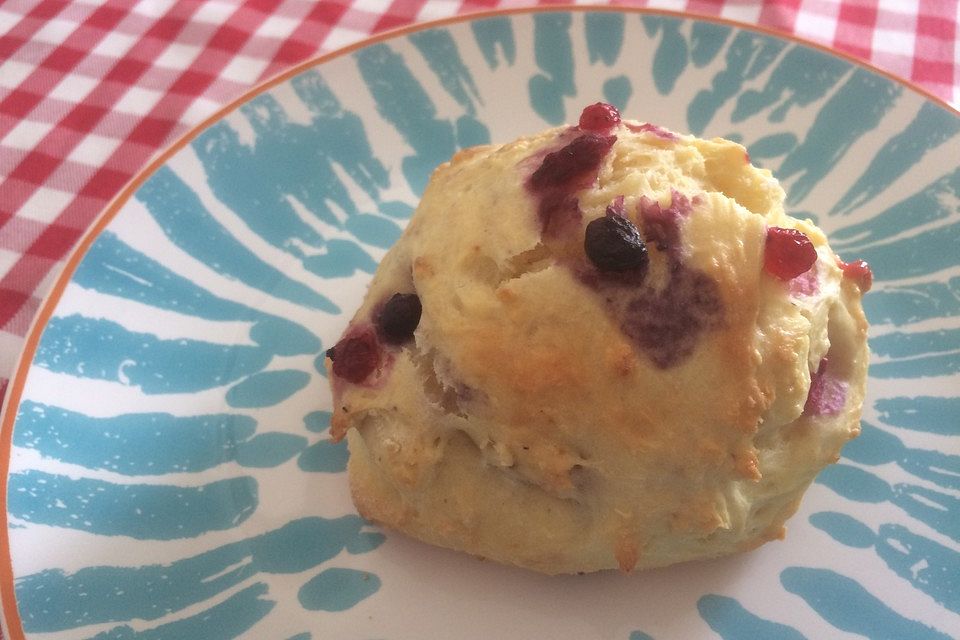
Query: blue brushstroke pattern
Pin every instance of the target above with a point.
(337, 589)
(731, 621)
(855, 484)
(132, 444)
(876, 446)
(317, 421)
(747, 57)
(802, 77)
(900, 344)
(917, 255)
(342, 135)
(319, 364)
(921, 413)
(471, 132)
(939, 510)
(932, 126)
(396, 209)
(934, 365)
(640, 635)
(183, 218)
(903, 304)
(491, 34)
(365, 542)
(845, 604)
(101, 594)
(617, 91)
(927, 565)
(772, 146)
(105, 350)
(284, 337)
(553, 52)
(256, 183)
(141, 511)
(706, 41)
(442, 54)
(113, 267)
(325, 456)
(604, 33)
(373, 230)
(403, 102)
(930, 204)
(223, 621)
(671, 57)
(853, 110)
(267, 388)
(269, 449)
(844, 529)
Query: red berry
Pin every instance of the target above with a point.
(788, 253)
(858, 271)
(356, 356)
(599, 117)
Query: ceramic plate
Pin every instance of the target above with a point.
(170, 470)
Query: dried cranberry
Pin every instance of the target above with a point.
(788, 253)
(858, 271)
(356, 356)
(573, 166)
(399, 318)
(599, 117)
(613, 243)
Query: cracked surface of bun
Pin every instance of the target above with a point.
(548, 416)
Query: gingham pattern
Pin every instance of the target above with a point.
(91, 90)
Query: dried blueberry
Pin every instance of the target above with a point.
(613, 243)
(399, 318)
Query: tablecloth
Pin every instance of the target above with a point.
(91, 90)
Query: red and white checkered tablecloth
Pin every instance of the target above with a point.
(90, 90)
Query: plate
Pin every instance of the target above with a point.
(170, 470)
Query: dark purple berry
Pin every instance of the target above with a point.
(399, 318)
(613, 243)
(356, 356)
(573, 166)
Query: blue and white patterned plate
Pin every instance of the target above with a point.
(170, 470)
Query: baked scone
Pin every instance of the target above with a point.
(601, 346)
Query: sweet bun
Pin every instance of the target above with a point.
(601, 346)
